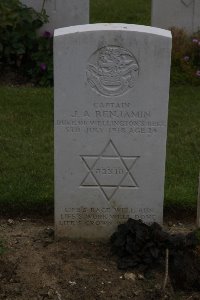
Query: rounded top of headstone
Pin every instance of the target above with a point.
(112, 27)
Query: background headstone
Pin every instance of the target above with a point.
(111, 105)
(62, 13)
(183, 14)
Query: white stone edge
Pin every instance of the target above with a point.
(112, 27)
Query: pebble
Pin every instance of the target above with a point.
(58, 295)
(10, 222)
(140, 276)
(130, 276)
(50, 293)
(72, 283)
(136, 293)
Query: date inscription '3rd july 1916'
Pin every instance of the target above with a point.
(112, 71)
(109, 171)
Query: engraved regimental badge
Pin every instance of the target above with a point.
(112, 71)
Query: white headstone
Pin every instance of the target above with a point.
(183, 14)
(62, 13)
(111, 107)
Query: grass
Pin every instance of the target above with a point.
(183, 147)
(26, 133)
(120, 11)
(26, 149)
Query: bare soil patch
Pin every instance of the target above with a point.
(37, 267)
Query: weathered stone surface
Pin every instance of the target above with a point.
(111, 106)
(62, 13)
(176, 13)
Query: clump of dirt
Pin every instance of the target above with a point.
(138, 245)
(35, 266)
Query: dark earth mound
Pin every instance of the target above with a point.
(138, 245)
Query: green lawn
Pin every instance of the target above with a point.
(26, 149)
(120, 11)
(26, 133)
(183, 147)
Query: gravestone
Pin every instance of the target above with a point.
(62, 13)
(111, 105)
(183, 14)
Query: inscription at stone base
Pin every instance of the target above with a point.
(104, 216)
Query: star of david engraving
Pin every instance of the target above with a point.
(187, 2)
(109, 171)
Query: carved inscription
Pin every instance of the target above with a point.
(111, 117)
(109, 171)
(112, 71)
(104, 216)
